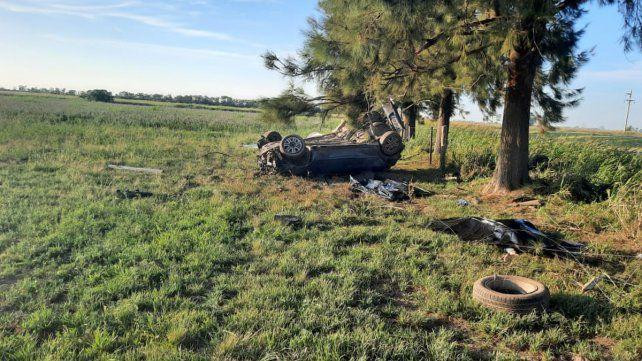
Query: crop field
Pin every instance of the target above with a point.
(200, 270)
(184, 105)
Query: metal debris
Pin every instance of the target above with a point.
(588, 286)
(518, 234)
(388, 189)
(463, 203)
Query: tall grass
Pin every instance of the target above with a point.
(473, 150)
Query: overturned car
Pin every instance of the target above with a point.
(376, 148)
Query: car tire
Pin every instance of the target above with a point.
(391, 143)
(377, 129)
(512, 294)
(272, 136)
(292, 147)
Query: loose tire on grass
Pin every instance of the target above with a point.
(292, 147)
(511, 294)
(391, 143)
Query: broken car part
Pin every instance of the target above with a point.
(511, 294)
(387, 189)
(463, 203)
(518, 234)
(590, 285)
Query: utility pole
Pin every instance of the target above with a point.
(629, 100)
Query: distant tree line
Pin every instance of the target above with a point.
(185, 99)
(191, 99)
(57, 91)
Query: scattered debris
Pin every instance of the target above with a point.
(131, 194)
(522, 199)
(535, 203)
(511, 294)
(525, 201)
(388, 189)
(250, 146)
(588, 286)
(518, 234)
(288, 220)
(420, 192)
(463, 203)
(135, 169)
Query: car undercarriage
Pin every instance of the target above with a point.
(375, 148)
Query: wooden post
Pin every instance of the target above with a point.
(431, 146)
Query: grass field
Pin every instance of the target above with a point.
(201, 270)
(186, 105)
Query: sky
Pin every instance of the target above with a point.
(213, 47)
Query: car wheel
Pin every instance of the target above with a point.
(511, 293)
(272, 136)
(377, 129)
(391, 143)
(292, 146)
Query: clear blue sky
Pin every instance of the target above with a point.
(213, 48)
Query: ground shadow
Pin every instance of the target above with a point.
(430, 175)
(575, 306)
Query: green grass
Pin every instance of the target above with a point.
(201, 270)
(600, 158)
(186, 105)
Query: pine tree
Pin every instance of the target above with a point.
(327, 60)
(521, 54)
(536, 42)
(524, 50)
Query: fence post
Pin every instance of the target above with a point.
(431, 146)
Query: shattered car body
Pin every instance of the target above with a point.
(343, 151)
(387, 189)
(510, 234)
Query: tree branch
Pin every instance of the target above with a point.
(435, 39)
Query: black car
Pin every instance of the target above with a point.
(376, 148)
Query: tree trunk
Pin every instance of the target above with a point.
(446, 108)
(409, 117)
(511, 171)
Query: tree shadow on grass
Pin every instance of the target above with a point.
(430, 175)
(575, 306)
